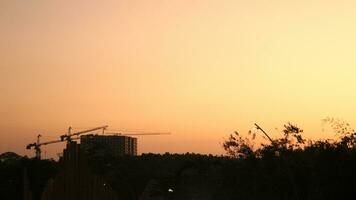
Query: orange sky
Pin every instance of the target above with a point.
(197, 68)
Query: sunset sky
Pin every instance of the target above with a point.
(197, 68)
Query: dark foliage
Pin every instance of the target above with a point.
(290, 167)
(320, 171)
(12, 170)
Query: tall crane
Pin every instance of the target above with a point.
(140, 134)
(69, 135)
(37, 145)
(66, 137)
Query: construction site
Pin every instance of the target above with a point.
(119, 144)
(76, 174)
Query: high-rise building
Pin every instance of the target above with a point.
(118, 145)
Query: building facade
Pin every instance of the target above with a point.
(119, 145)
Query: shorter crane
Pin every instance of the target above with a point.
(67, 137)
(37, 145)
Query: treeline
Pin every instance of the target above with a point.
(320, 173)
(289, 167)
(316, 173)
(14, 168)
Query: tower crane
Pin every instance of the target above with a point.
(69, 135)
(66, 137)
(140, 134)
(37, 145)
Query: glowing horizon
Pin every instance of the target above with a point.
(198, 69)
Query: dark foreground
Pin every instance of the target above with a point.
(317, 172)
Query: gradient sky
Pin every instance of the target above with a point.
(197, 68)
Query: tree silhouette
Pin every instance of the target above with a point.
(238, 146)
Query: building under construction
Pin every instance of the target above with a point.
(118, 145)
